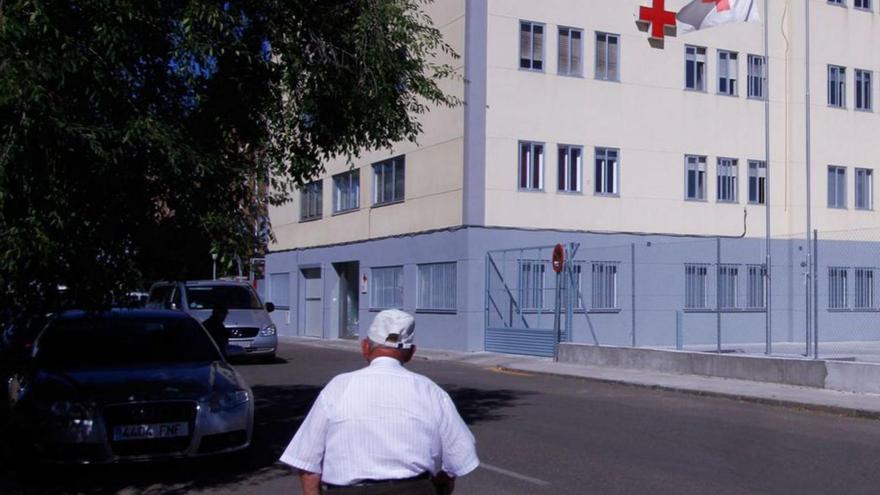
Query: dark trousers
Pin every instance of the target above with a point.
(414, 487)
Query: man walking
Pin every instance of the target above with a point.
(382, 429)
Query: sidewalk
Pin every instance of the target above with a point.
(831, 401)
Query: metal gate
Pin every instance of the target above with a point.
(521, 298)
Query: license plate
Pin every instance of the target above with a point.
(146, 432)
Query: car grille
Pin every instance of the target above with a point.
(150, 413)
(243, 332)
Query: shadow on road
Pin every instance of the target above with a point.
(479, 405)
(279, 411)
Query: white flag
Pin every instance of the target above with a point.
(703, 14)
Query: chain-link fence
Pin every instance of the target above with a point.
(701, 294)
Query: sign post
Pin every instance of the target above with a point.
(558, 262)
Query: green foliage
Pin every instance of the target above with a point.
(138, 136)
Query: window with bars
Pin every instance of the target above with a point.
(531, 284)
(695, 68)
(607, 171)
(389, 179)
(757, 75)
(604, 294)
(531, 45)
(577, 287)
(864, 285)
(571, 52)
(864, 85)
(696, 285)
(864, 189)
(437, 287)
(569, 169)
(386, 287)
(311, 200)
(607, 57)
(346, 191)
(728, 73)
(836, 86)
(756, 295)
(531, 166)
(728, 276)
(727, 180)
(836, 187)
(757, 182)
(695, 177)
(837, 288)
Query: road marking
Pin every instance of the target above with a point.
(506, 371)
(518, 476)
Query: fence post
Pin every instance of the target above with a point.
(718, 290)
(679, 331)
(632, 257)
(815, 294)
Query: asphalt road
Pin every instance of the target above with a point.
(536, 435)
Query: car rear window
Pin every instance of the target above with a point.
(108, 341)
(233, 296)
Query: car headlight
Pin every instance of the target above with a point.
(224, 401)
(64, 409)
(269, 331)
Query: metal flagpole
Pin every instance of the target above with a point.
(769, 295)
(807, 157)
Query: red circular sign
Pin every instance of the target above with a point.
(558, 258)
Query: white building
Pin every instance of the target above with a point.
(577, 129)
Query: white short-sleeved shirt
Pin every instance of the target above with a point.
(382, 422)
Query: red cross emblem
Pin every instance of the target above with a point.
(720, 5)
(659, 17)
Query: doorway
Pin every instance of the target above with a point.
(349, 299)
(313, 322)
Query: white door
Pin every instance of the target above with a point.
(313, 307)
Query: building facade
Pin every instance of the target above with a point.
(577, 129)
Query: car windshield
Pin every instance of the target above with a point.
(232, 296)
(102, 341)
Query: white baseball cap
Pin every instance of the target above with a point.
(393, 328)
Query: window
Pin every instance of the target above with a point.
(728, 70)
(437, 286)
(836, 86)
(727, 180)
(842, 3)
(757, 182)
(695, 177)
(347, 191)
(531, 166)
(836, 187)
(279, 290)
(756, 295)
(571, 52)
(569, 171)
(727, 284)
(862, 4)
(311, 201)
(386, 287)
(757, 77)
(531, 45)
(531, 284)
(604, 285)
(837, 288)
(695, 68)
(864, 189)
(388, 181)
(695, 286)
(863, 90)
(576, 274)
(864, 288)
(607, 171)
(607, 57)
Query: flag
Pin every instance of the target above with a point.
(703, 14)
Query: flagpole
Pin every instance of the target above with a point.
(769, 296)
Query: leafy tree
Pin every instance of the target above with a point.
(138, 136)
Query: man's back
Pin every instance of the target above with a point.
(382, 422)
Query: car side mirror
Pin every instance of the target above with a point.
(234, 351)
(270, 307)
